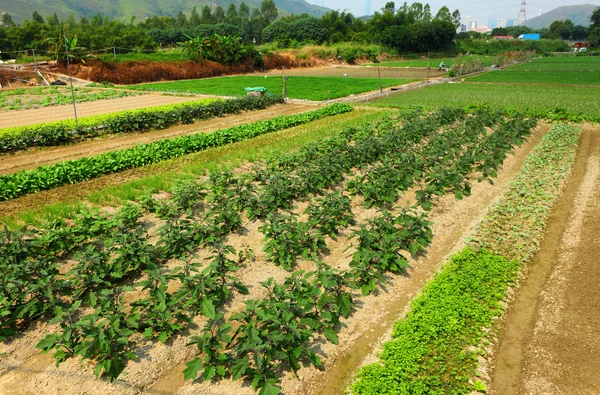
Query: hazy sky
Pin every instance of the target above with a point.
(476, 9)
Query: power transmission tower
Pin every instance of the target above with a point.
(214, 6)
(522, 18)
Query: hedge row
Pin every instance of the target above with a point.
(47, 177)
(434, 349)
(64, 132)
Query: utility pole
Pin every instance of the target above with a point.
(379, 73)
(71, 79)
(114, 53)
(427, 67)
(35, 61)
(284, 81)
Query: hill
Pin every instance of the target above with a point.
(578, 14)
(125, 9)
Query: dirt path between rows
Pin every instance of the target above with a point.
(98, 107)
(550, 342)
(34, 158)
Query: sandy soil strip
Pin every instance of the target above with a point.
(34, 158)
(97, 107)
(359, 72)
(551, 339)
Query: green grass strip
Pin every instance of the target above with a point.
(47, 177)
(514, 227)
(161, 117)
(297, 87)
(434, 349)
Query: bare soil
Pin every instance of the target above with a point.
(550, 342)
(159, 366)
(47, 156)
(59, 113)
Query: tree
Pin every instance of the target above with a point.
(390, 7)
(219, 16)
(232, 15)
(244, 12)
(444, 15)
(7, 20)
(499, 31)
(207, 17)
(181, 19)
(594, 30)
(194, 18)
(595, 19)
(456, 18)
(426, 13)
(36, 17)
(269, 12)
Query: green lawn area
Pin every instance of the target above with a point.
(487, 61)
(311, 88)
(556, 70)
(575, 99)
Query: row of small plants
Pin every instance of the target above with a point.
(305, 303)
(435, 348)
(22, 99)
(52, 176)
(162, 117)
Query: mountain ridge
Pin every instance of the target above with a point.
(578, 14)
(21, 10)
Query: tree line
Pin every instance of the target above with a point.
(408, 28)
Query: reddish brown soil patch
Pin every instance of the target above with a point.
(135, 72)
(550, 341)
(99, 107)
(34, 158)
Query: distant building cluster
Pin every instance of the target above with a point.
(471, 25)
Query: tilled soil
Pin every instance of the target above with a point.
(550, 342)
(98, 107)
(159, 367)
(47, 156)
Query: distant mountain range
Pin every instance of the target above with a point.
(125, 9)
(578, 14)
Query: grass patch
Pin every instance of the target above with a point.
(574, 70)
(434, 349)
(310, 88)
(428, 353)
(536, 98)
(165, 175)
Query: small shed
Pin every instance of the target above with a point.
(256, 91)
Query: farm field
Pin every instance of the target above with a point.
(427, 242)
(27, 98)
(570, 70)
(298, 87)
(87, 109)
(530, 97)
(435, 61)
(268, 248)
(32, 159)
(358, 72)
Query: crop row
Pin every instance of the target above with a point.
(18, 99)
(64, 132)
(47, 177)
(270, 331)
(435, 348)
